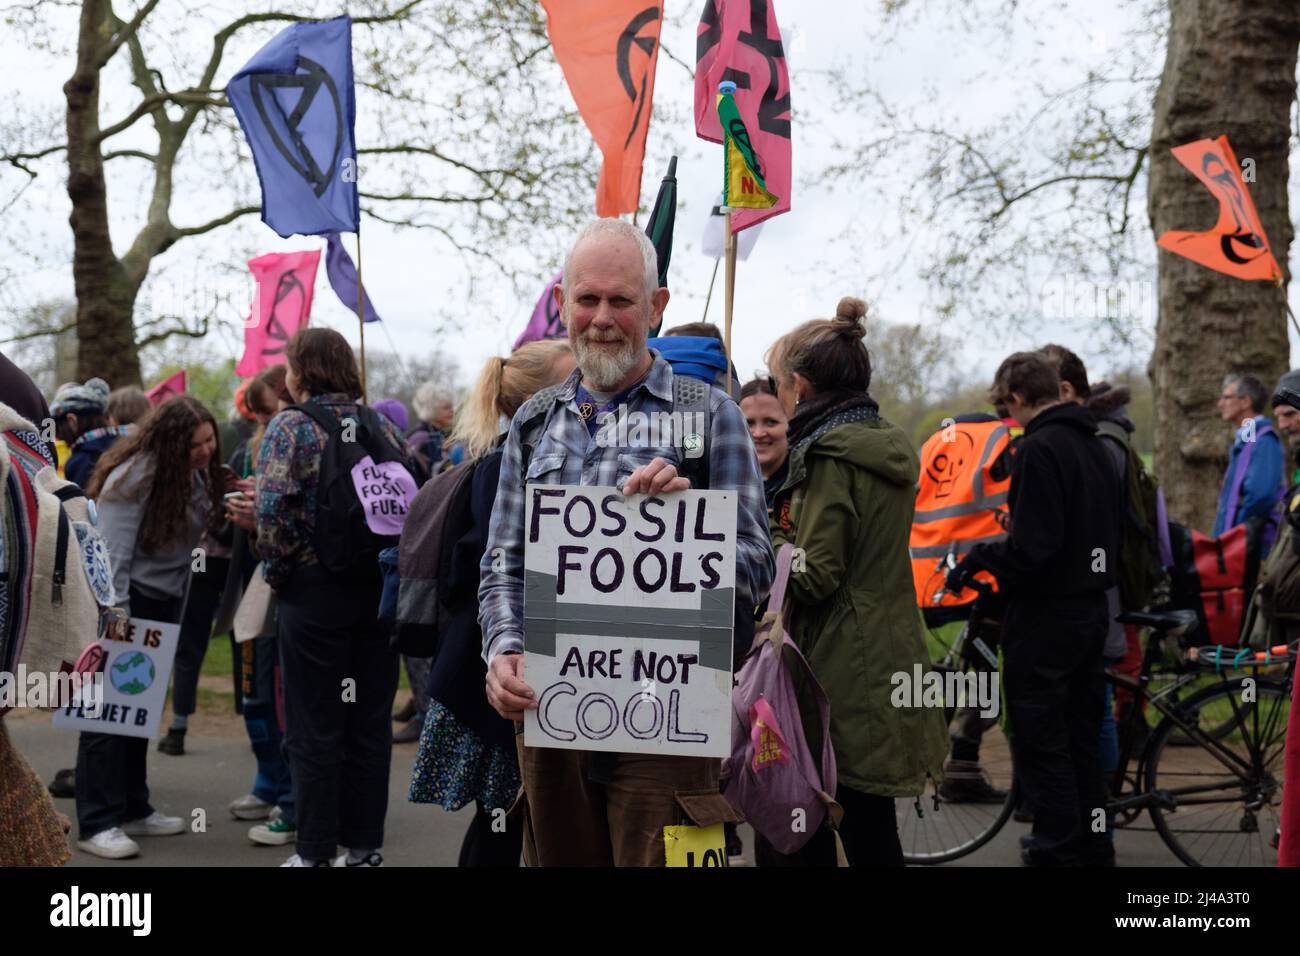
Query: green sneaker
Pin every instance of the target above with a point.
(275, 833)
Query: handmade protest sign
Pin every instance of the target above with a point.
(385, 490)
(695, 846)
(628, 605)
(137, 666)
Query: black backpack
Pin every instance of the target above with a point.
(343, 542)
(1139, 572)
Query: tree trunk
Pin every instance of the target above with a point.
(1230, 69)
(105, 293)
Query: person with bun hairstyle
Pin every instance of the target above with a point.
(467, 750)
(847, 504)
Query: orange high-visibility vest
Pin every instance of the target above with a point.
(958, 504)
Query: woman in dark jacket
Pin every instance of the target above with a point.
(467, 751)
(340, 674)
(846, 506)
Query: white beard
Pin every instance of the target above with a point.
(606, 369)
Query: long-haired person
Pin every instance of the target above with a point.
(467, 750)
(847, 505)
(157, 490)
(340, 675)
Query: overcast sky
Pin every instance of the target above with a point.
(803, 261)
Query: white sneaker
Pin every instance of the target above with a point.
(111, 844)
(274, 833)
(296, 860)
(250, 807)
(374, 858)
(155, 824)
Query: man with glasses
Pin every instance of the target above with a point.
(1253, 482)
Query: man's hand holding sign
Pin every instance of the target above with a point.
(506, 689)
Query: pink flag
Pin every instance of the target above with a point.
(281, 306)
(739, 40)
(545, 323)
(169, 387)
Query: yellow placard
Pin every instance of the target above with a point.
(695, 846)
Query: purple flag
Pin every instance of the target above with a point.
(545, 323)
(295, 103)
(343, 275)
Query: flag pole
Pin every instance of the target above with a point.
(731, 290)
(361, 317)
(1277, 281)
(709, 298)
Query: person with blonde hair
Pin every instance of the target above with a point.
(846, 506)
(467, 751)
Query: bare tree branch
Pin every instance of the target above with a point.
(678, 60)
(191, 99)
(1056, 180)
(179, 330)
(41, 333)
(137, 153)
(125, 31)
(17, 160)
(181, 233)
(410, 197)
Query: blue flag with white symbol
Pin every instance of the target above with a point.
(294, 100)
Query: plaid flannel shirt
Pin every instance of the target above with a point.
(567, 454)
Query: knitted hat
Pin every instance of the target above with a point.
(1288, 390)
(91, 398)
(393, 410)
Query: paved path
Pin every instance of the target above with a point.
(214, 770)
(211, 773)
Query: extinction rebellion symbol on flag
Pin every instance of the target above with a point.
(299, 154)
(631, 35)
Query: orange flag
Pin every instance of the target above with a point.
(608, 50)
(1236, 245)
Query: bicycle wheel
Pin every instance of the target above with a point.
(940, 831)
(941, 826)
(1221, 799)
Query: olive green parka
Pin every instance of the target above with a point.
(847, 507)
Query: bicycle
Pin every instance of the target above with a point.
(1212, 801)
